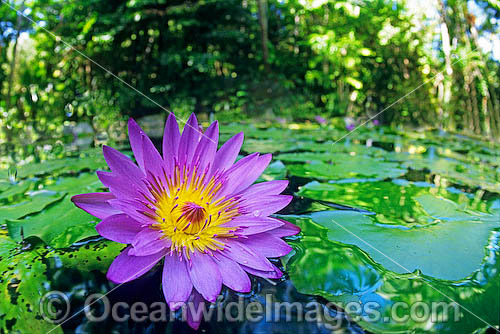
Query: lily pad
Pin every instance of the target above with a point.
(92, 162)
(84, 183)
(347, 166)
(394, 202)
(22, 284)
(36, 203)
(275, 171)
(432, 249)
(348, 276)
(58, 226)
(15, 190)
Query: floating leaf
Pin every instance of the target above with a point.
(275, 171)
(84, 183)
(37, 202)
(15, 190)
(58, 226)
(393, 202)
(22, 284)
(415, 248)
(345, 274)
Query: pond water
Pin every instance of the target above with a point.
(388, 217)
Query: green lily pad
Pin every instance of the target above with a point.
(346, 166)
(417, 248)
(92, 162)
(91, 256)
(37, 202)
(15, 190)
(348, 276)
(268, 146)
(22, 284)
(58, 226)
(84, 183)
(275, 171)
(394, 203)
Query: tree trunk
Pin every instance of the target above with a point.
(262, 8)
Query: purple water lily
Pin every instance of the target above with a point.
(320, 120)
(194, 208)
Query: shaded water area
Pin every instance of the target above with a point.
(388, 217)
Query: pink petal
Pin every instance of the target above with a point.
(176, 282)
(205, 276)
(126, 268)
(120, 228)
(96, 204)
(233, 276)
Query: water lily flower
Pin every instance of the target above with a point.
(193, 208)
(320, 120)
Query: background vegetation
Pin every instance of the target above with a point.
(276, 60)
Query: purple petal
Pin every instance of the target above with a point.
(153, 161)
(266, 205)
(242, 254)
(205, 275)
(275, 273)
(267, 245)
(121, 187)
(286, 230)
(127, 268)
(135, 134)
(121, 164)
(207, 147)
(120, 228)
(195, 310)
(265, 189)
(134, 209)
(176, 282)
(171, 137)
(233, 276)
(189, 140)
(96, 204)
(147, 242)
(225, 156)
(237, 174)
(250, 224)
(254, 173)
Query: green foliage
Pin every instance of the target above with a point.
(342, 58)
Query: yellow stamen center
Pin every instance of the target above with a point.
(188, 214)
